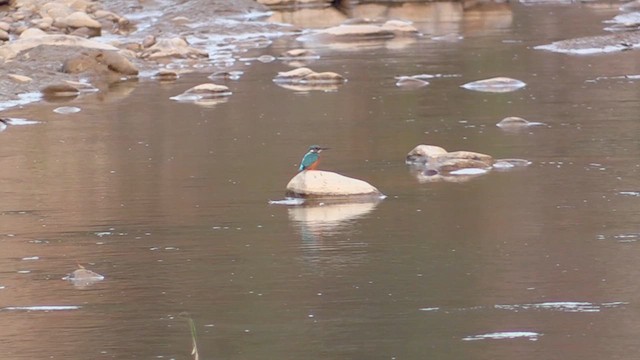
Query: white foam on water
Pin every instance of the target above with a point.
(430, 309)
(629, 193)
(66, 110)
(31, 258)
(20, 121)
(23, 99)
(586, 51)
(564, 306)
(532, 336)
(469, 171)
(43, 308)
(287, 201)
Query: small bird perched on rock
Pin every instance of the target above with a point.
(311, 158)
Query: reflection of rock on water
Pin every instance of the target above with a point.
(319, 223)
(330, 216)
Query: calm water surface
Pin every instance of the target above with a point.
(170, 202)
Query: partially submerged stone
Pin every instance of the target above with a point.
(507, 164)
(434, 160)
(207, 91)
(323, 77)
(496, 85)
(316, 183)
(410, 82)
(20, 78)
(307, 76)
(514, 122)
(293, 75)
(83, 277)
(166, 75)
(618, 41)
(421, 152)
(59, 90)
(299, 53)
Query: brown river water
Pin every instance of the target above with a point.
(170, 202)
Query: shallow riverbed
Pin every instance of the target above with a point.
(169, 201)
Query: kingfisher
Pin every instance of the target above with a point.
(311, 158)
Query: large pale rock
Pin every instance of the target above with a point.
(80, 19)
(420, 152)
(437, 160)
(11, 50)
(99, 61)
(316, 183)
(174, 47)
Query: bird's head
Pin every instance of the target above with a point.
(317, 148)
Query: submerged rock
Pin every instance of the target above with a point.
(82, 277)
(307, 77)
(514, 122)
(421, 152)
(410, 82)
(166, 75)
(496, 85)
(317, 183)
(299, 53)
(433, 163)
(595, 44)
(204, 92)
(59, 91)
(434, 160)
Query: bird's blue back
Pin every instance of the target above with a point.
(308, 159)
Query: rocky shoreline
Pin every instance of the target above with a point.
(63, 48)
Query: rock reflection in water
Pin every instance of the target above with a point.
(318, 222)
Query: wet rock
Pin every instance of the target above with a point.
(4, 36)
(80, 19)
(20, 78)
(508, 164)
(293, 75)
(362, 31)
(400, 27)
(631, 6)
(226, 75)
(307, 76)
(36, 38)
(82, 277)
(496, 85)
(166, 75)
(174, 48)
(326, 77)
(514, 122)
(487, 160)
(99, 61)
(4, 26)
(316, 183)
(433, 160)
(32, 33)
(421, 152)
(299, 53)
(349, 33)
(595, 44)
(148, 41)
(204, 92)
(410, 82)
(59, 91)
